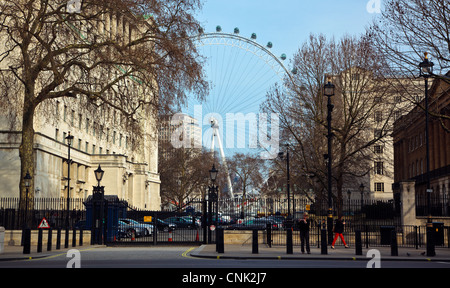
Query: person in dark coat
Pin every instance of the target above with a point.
(303, 225)
(338, 230)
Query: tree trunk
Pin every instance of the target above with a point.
(26, 154)
(340, 180)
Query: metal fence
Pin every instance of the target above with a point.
(439, 205)
(188, 224)
(54, 210)
(407, 236)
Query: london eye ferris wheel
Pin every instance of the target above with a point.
(240, 72)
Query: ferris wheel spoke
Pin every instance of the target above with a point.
(240, 72)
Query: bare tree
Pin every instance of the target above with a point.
(184, 173)
(134, 56)
(406, 30)
(361, 115)
(248, 170)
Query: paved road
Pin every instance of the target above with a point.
(179, 257)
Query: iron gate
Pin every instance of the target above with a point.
(186, 225)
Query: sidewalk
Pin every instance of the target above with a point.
(11, 253)
(340, 253)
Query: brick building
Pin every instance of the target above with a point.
(410, 147)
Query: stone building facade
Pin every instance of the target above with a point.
(100, 138)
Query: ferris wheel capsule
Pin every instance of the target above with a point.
(283, 56)
(218, 28)
(236, 30)
(269, 45)
(253, 36)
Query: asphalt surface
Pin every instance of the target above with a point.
(263, 252)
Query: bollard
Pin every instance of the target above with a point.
(81, 237)
(74, 238)
(220, 240)
(26, 236)
(255, 242)
(170, 235)
(323, 242)
(430, 242)
(49, 239)
(394, 246)
(289, 246)
(58, 239)
(155, 230)
(66, 239)
(358, 243)
(39, 244)
(269, 235)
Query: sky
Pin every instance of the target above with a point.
(285, 23)
(288, 23)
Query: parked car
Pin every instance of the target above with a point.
(181, 222)
(80, 225)
(165, 226)
(198, 222)
(148, 228)
(258, 223)
(127, 230)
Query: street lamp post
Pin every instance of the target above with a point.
(288, 186)
(361, 190)
(69, 139)
(27, 181)
(328, 90)
(426, 71)
(212, 196)
(97, 216)
(349, 194)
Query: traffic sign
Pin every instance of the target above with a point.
(44, 224)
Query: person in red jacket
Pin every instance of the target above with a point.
(338, 230)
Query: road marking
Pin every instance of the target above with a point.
(187, 251)
(56, 255)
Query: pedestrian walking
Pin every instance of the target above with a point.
(338, 230)
(303, 226)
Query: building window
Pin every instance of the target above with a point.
(378, 116)
(378, 168)
(80, 119)
(56, 134)
(86, 148)
(378, 149)
(379, 187)
(377, 134)
(397, 115)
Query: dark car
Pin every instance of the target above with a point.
(81, 225)
(259, 223)
(162, 225)
(181, 222)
